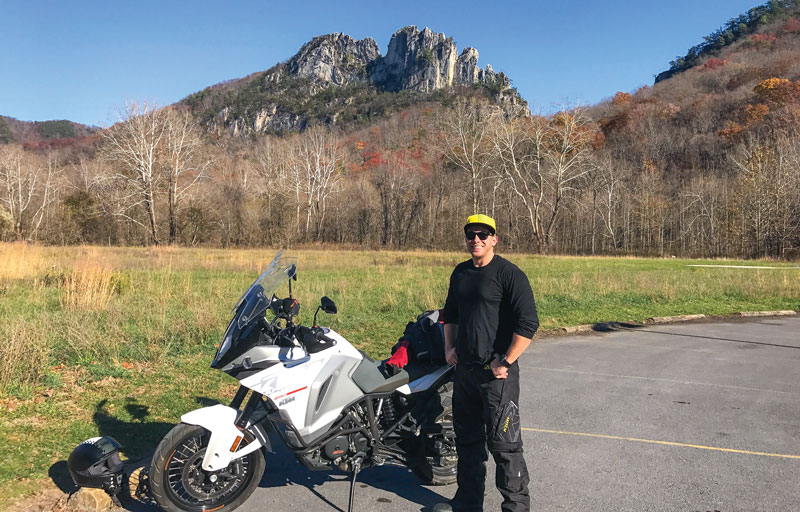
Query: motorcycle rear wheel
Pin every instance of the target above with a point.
(179, 484)
(440, 461)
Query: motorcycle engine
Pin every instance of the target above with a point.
(336, 447)
(341, 448)
(345, 445)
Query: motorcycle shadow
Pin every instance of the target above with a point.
(140, 437)
(283, 469)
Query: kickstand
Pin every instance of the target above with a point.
(356, 467)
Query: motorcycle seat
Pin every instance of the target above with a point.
(371, 376)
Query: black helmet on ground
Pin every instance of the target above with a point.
(96, 463)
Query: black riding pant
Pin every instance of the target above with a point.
(486, 413)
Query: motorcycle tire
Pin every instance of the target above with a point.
(179, 484)
(437, 468)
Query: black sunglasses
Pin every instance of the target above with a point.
(483, 235)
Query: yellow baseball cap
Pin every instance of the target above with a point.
(481, 219)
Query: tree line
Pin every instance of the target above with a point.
(564, 183)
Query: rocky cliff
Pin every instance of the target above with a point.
(334, 58)
(423, 61)
(337, 80)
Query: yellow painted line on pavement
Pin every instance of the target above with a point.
(667, 443)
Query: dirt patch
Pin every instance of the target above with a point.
(50, 499)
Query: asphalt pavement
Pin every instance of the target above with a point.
(682, 417)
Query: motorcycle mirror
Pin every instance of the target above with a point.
(328, 306)
(292, 271)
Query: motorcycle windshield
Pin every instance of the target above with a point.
(253, 304)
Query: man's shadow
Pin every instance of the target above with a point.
(138, 438)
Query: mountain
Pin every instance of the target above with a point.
(730, 88)
(41, 132)
(336, 80)
(735, 30)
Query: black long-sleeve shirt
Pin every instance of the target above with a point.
(490, 304)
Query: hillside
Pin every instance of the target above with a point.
(733, 31)
(336, 80)
(689, 122)
(41, 132)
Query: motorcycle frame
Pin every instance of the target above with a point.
(370, 430)
(227, 425)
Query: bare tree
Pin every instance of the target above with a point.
(87, 175)
(186, 164)
(519, 148)
(278, 184)
(543, 160)
(28, 187)
(397, 180)
(609, 191)
(465, 144)
(134, 144)
(703, 210)
(788, 197)
(568, 145)
(768, 191)
(314, 166)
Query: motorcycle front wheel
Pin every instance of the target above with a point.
(178, 482)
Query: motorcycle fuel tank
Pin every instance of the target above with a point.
(310, 390)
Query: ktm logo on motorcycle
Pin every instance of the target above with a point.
(286, 400)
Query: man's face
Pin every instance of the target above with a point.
(475, 246)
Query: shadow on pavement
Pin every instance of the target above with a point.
(614, 326)
(283, 469)
(139, 439)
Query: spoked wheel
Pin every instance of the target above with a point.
(439, 465)
(180, 484)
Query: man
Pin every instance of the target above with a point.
(490, 318)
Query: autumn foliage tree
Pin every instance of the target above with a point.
(778, 91)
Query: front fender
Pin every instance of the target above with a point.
(220, 421)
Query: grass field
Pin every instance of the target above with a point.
(117, 341)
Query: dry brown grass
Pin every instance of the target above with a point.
(24, 353)
(88, 288)
(22, 261)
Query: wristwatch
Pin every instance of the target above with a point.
(504, 362)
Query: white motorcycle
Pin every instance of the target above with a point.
(330, 403)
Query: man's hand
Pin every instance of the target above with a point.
(450, 355)
(518, 346)
(450, 335)
(498, 370)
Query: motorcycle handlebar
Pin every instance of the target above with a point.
(310, 338)
(320, 335)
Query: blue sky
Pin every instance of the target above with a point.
(81, 60)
